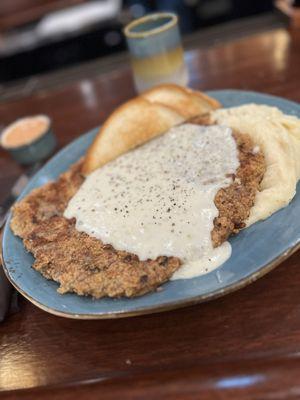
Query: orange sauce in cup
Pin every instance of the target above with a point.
(24, 131)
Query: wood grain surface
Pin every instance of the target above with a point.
(243, 346)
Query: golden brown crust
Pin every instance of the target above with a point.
(80, 263)
(184, 101)
(84, 265)
(234, 202)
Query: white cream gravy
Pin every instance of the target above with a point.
(158, 200)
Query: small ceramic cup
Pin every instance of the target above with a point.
(156, 51)
(24, 147)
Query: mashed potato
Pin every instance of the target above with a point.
(278, 136)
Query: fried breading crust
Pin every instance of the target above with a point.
(86, 266)
(80, 263)
(235, 201)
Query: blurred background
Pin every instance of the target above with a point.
(38, 36)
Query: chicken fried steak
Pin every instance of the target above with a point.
(86, 266)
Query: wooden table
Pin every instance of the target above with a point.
(245, 345)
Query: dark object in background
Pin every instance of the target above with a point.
(106, 37)
(8, 296)
(5, 294)
(197, 14)
(50, 56)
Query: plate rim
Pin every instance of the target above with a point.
(171, 305)
(177, 304)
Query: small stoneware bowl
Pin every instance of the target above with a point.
(24, 146)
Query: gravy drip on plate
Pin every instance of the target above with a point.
(158, 200)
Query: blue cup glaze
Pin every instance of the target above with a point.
(156, 35)
(37, 150)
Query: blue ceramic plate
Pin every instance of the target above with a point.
(256, 250)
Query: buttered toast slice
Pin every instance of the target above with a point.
(184, 101)
(130, 125)
(143, 118)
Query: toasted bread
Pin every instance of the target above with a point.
(142, 119)
(184, 101)
(130, 125)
